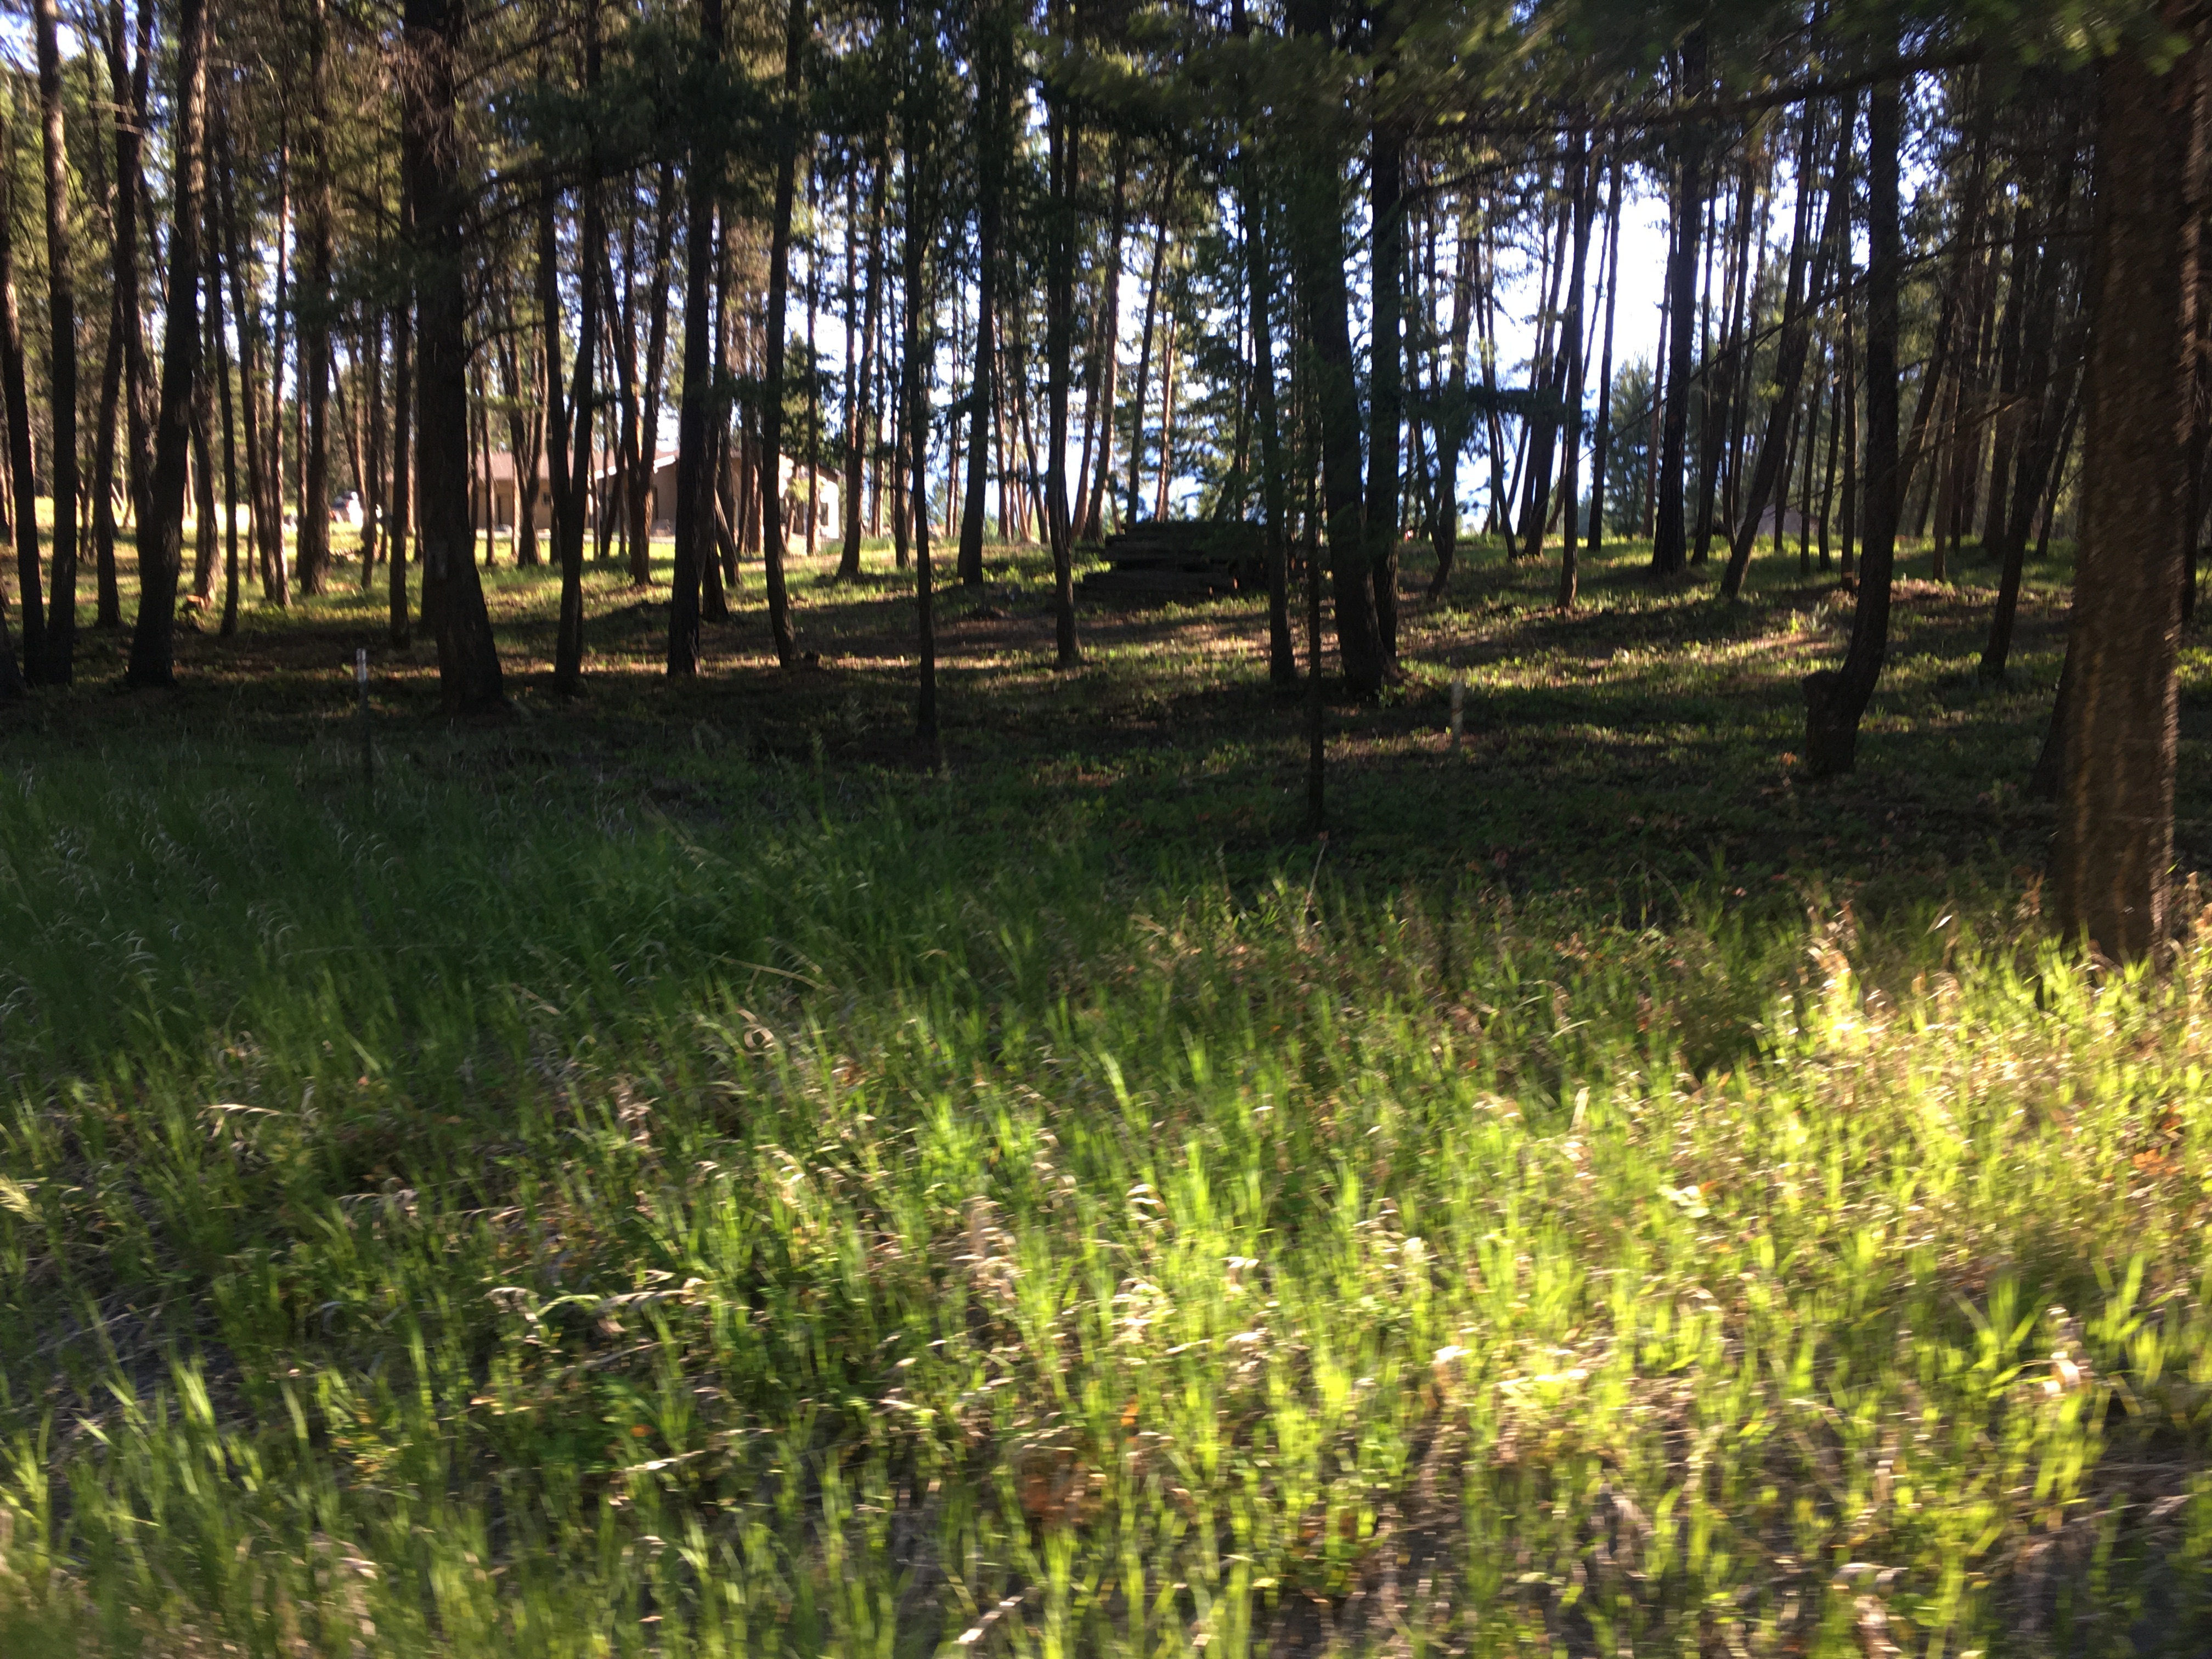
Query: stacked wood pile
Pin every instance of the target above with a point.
(1179, 560)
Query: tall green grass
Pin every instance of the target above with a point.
(815, 1216)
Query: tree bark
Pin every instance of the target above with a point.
(772, 387)
(1386, 374)
(992, 67)
(371, 478)
(215, 247)
(2112, 865)
(161, 535)
(453, 595)
(1105, 366)
(695, 471)
(1317, 238)
(1602, 448)
(646, 462)
(1145, 344)
(20, 466)
(1835, 698)
(915, 397)
(313, 555)
(860, 404)
(1570, 342)
(59, 666)
(1670, 541)
(1061, 138)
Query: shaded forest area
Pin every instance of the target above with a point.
(1292, 830)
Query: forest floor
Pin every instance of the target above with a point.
(680, 1170)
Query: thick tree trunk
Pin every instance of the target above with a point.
(1837, 698)
(453, 596)
(2112, 863)
(162, 534)
(59, 666)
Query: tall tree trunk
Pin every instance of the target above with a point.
(1061, 140)
(779, 296)
(124, 371)
(1602, 448)
(860, 408)
(1669, 536)
(1317, 236)
(109, 611)
(203, 429)
(1720, 415)
(524, 452)
(372, 480)
(1541, 431)
(1105, 366)
(645, 457)
(161, 535)
(1789, 351)
(1259, 282)
(572, 451)
(1386, 371)
(60, 667)
(915, 400)
(453, 595)
(714, 597)
(1571, 341)
(20, 466)
(992, 75)
(313, 558)
(2112, 862)
(1144, 341)
(695, 473)
(1837, 698)
(1452, 424)
(214, 242)
(398, 625)
(2045, 420)
(813, 445)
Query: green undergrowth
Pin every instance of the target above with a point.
(503, 1217)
